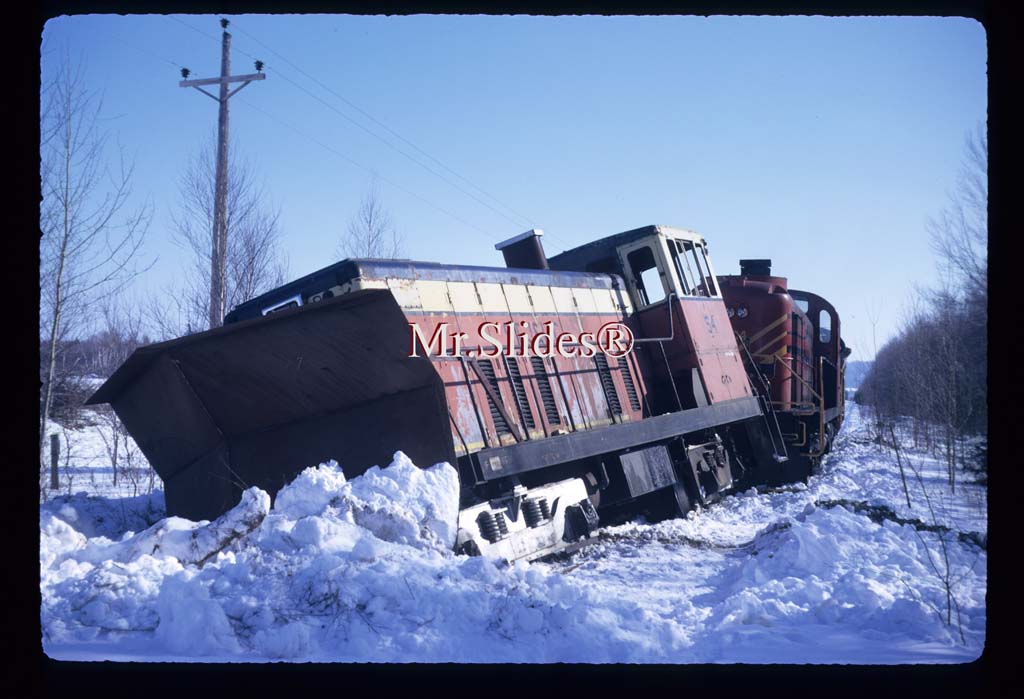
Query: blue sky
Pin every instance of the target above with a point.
(823, 143)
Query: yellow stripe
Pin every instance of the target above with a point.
(764, 348)
(765, 331)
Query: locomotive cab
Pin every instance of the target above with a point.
(829, 351)
(685, 343)
(679, 315)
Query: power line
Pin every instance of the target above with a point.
(329, 148)
(375, 135)
(364, 128)
(200, 31)
(386, 142)
(140, 49)
(391, 131)
(399, 150)
(363, 167)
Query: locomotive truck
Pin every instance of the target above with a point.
(720, 383)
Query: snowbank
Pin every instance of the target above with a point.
(362, 570)
(94, 515)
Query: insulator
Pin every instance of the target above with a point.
(488, 527)
(531, 510)
(499, 518)
(545, 511)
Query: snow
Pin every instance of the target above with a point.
(86, 458)
(839, 570)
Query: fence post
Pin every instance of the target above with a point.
(54, 460)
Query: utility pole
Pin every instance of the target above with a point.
(220, 226)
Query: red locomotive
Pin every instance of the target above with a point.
(793, 339)
(730, 382)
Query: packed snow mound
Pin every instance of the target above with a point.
(209, 588)
(402, 503)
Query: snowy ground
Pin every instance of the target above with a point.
(838, 571)
(86, 459)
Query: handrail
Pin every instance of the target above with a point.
(746, 351)
(821, 412)
(793, 372)
(764, 398)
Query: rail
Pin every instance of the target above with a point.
(821, 413)
(793, 372)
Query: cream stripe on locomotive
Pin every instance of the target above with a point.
(442, 296)
(767, 329)
(765, 348)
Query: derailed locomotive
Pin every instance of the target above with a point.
(731, 382)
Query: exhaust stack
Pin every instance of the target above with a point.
(756, 268)
(524, 251)
(760, 270)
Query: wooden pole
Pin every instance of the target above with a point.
(220, 233)
(219, 247)
(54, 461)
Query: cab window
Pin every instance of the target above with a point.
(824, 326)
(691, 265)
(684, 271)
(708, 281)
(644, 268)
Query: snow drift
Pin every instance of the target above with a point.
(362, 570)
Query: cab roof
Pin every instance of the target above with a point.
(583, 256)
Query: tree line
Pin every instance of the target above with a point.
(933, 372)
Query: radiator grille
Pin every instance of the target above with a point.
(627, 378)
(520, 390)
(609, 385)
(544, 386)
(487, 369)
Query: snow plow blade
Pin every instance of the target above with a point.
(254, 403)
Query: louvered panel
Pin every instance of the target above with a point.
(608, 383)
(547, 396)
(487, 367)
(520, 390)
(627, 379)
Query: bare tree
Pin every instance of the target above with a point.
(90, 239)
(935, 369)
(959, 235)
(126, 460)
(874, 310)
(121, 333)
(171, 312)
(371, 232)
(255, 261)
